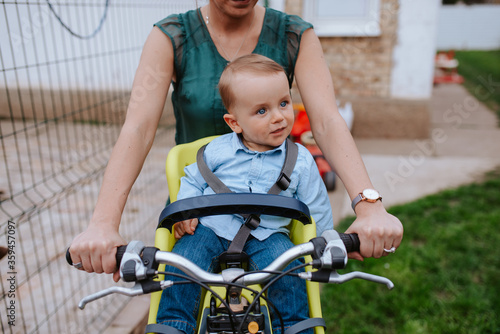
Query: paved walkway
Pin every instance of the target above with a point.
(464, 144)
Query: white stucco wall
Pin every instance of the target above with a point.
(413, 57)
(464, 27)
(46, 55)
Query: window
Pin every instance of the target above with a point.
(344, 18)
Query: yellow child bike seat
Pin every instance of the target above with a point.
(178, 158)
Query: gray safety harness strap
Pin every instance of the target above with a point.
(252, 221)
(162, 329)
(306, 324)
(213, 181)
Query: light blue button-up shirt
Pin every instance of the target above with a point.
(244, 171)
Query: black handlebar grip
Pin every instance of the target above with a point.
(119, 254)
(68, 257)
(351, 241)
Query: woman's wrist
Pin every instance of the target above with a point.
(106, 220)
(366, 208)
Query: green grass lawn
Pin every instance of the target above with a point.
(446, 272)
(481, 71)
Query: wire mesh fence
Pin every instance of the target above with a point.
(66, 68)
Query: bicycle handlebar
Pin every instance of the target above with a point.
(329, 252)
(351, 242)
(139, 265)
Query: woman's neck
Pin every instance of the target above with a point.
(234, 36)
(227, 24)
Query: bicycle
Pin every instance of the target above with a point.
(234, 302)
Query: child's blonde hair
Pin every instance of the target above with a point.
(252, 63)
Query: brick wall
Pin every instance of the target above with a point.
(360, 66)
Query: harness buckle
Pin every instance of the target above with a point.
(252, 221)
(234, 260)
(283, 181)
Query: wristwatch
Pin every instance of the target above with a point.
(368, 195)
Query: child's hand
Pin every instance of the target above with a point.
(186, 226)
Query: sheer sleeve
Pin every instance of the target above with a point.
(172, 27)
(295, 27)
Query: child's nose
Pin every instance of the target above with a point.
(278, 116)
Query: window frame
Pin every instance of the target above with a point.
(355, 26)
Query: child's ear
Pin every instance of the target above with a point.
(232, 122)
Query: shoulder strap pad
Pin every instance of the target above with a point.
(213, 181)
(284, 179)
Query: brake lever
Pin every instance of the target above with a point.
(339, 279)
(139, 288)
(335, 277)
(133, 291)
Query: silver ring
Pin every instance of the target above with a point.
(392, 250)
(78, 265)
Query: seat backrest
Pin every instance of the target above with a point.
(178, 158)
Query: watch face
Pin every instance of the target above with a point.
(371, 194)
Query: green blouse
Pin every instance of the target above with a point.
(198, 108)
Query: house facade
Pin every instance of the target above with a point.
(381, 57)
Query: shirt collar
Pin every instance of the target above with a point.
(238, 145)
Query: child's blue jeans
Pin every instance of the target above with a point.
(179, 305)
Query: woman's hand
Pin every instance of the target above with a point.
(186, 226)
(95, 249)
(377, 230)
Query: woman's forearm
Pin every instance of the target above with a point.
(148, 95)
(125, 164)
(329, 128)
(336, 142)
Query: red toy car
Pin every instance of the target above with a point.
(301, 133)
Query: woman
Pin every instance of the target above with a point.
(223, 30)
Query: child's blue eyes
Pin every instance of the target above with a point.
(262, 111)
